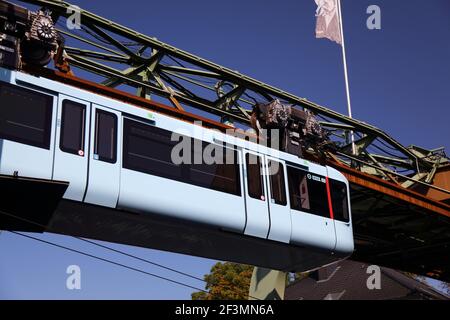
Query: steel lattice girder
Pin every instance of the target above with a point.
(174, 81)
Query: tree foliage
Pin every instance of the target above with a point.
(226, 281)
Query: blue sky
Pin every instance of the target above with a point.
(399, 81)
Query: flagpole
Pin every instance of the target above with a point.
(347, 89)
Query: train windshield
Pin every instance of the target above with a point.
(339, 200)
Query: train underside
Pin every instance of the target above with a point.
(35, 205)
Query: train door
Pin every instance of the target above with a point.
(72, 143)
(258, 221)
(312, 222)
(104, 160)
(280, 213)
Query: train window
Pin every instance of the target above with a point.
(254, 176)
(308, 192)
(148, 149)
(339, 200)
(25, 116)
(278, 191)
(105, 146)
(221, 176)
(73, 127)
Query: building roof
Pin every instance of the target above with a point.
(348, 280)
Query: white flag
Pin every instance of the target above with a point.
(328, 22)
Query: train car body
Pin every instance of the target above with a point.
(124, 187)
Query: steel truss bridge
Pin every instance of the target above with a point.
(400, 194)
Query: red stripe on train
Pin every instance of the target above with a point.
(330, 205)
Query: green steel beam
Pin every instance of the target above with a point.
(97, 55)
(116, 43)
(106, 71)
(194, 72)
(204, 86)
(397, 161)
(360, 145)
(92, 43)
(227, 99)
(337, 125)
(149, 64)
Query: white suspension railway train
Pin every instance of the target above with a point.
(123, 187)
